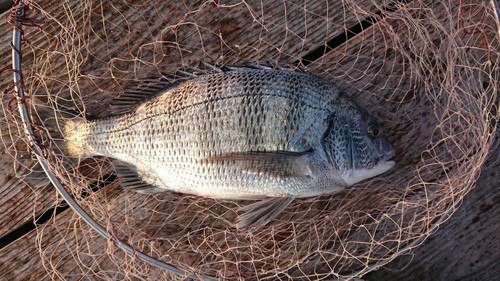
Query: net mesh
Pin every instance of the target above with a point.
(427, 70)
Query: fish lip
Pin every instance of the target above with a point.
(354, 176)
(389, 163)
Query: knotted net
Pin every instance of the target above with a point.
(427, 70)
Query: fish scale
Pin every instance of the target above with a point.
(242, 133)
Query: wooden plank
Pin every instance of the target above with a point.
(118, 36)
(5, 5)
(375, 87)
(21, 260)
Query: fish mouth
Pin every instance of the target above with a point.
(356, 175)
(385, 162)
(386, 150)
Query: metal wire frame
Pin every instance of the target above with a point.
(496, 8)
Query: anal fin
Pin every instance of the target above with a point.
(35, 176)
(130, 178)
(262, 212)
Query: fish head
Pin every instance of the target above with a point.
(355, 144)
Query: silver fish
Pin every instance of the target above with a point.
(238, 133)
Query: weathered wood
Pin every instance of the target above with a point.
(220, 42)
(21, 260)
(280, 31)
(5, 5)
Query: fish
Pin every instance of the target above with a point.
(239, 133)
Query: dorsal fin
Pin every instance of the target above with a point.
(249, 65)
(145, 89)
(141, 91)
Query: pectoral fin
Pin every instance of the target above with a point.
(130, 178)
(260, 213)
(272, 163)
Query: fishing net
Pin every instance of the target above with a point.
(428, 70)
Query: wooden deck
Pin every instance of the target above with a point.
(332, 41)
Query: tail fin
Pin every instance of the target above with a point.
(48, 125)
(59, 129)
(46, 122)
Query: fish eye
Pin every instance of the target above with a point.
(373, 131)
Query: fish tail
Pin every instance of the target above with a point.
(49, 128)
(63, 130)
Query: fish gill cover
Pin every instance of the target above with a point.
(427, 71)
